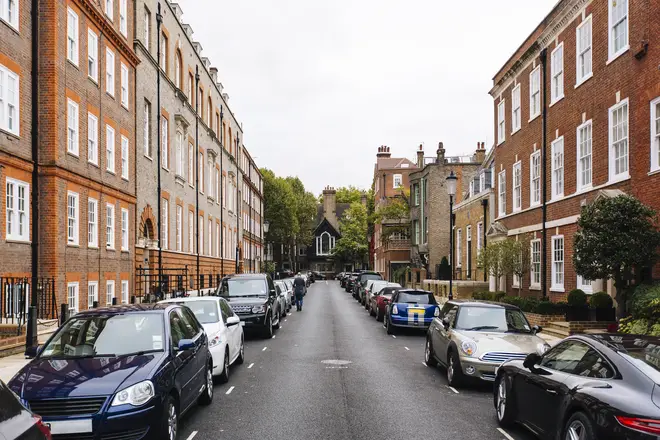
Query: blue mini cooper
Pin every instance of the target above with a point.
(410, 308)
(126, 372)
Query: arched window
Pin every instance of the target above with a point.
(178, 70)
(200, 100)
(325, 243)
(209, 113)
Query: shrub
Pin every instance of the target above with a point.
(549, 308)
(577, 298)
(645, 301)
(634, 326)
(483, 296)
(488, 296)
(601, 300)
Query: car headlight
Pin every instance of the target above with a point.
(215, 341)
(395, 310)
(436, 313)
(542, 348)
(259, 309)
(135, 395)
(469, 347)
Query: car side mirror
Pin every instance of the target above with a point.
(445, 322)
(233, 320)
(531, 360)
(32, 352)
(537, 329)
(273, 292)
(186, 344)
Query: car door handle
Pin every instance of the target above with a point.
(549, 391)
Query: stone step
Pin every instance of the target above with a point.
(561, 324)
(556, 330)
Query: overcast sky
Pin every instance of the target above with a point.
(320, 85)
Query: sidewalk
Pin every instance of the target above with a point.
(11, 365)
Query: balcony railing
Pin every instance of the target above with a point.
(398, 244)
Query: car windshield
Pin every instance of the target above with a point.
(205, 311)
(107, 336)
(244, 287)
(416, 298)
(496, 319)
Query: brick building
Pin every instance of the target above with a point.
(252, 209)
(429, 208)
(391, 176)
(576, 117)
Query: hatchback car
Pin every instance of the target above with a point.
(410, 308)
(361, 283)
(371, 291)
(119, 371)
(286, 295)
(16, 421)
(382, 300)
(586, 387)
(375, 291)
(473, 338)
(223, 330)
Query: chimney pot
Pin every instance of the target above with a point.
(420, 147)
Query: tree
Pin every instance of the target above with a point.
(491, 258)
(349, 194)
(304, 211)
(353, 245)
(521, 258)
(616, 238)
(394, 215)
(279, 207)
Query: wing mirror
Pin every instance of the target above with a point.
(33, 351)
(537, 329)
(273, 292)
(233, 320)
(186, 344)
(532, 360)
(445, 323)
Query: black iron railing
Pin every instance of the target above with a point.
(15, 300)
(175, 282)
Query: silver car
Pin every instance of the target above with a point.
(283, 296)
(473, 338)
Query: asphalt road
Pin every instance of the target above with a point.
(286, 391)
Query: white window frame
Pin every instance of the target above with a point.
(146, 127)
(459, 256)
(584, 55)
(516, 110)
(110, 9)
(124, 157)
(92, 293)
(73, 297)
(92, 223)
(191, 164)
(210, 238)
(319, 244)
(92, 55)
(480, 233)
(200, 172)
(22, 216)
(92, 139)
(179, 154)
(73, 218)
(532, 272)
(397, 181)
(501, 193)
(110, 140)
(200, 245)
(557, 74)
(584, 285)
(165, 144)
(165, 233)
(73, 127)
(535, 93)
(147, 28)
(558, 177)
(501, 122)
(109, 72)
(72, 36)
(516, 183)
(179, 225)
(124, 292)
(614, 54)
(584, 128)
(191, 232)
(124, 229)
(613, 177)
(109, 291)
(110, 226)
(655, 134)
(124, 86)
(556, 286)
(123, 17)
(535, 180)
(217, 239)
(10, 115)
(9, 13)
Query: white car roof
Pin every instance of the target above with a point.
(190, 298)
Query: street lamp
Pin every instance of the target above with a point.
(451, 190)
(266, 226)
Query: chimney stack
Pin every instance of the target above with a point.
(441, 153)
(384, 152)
(480, 154)
(330, 206)
(420, 157)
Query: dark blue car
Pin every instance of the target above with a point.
(410, 308)
(125, 372)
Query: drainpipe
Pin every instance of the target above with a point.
(159, 21)
(544, 171)
(222, 198)
(197, 116)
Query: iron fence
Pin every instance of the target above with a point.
(15, 300)
(174, 283)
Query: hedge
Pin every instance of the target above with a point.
(529, 305)
(644, 307)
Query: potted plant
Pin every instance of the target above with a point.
(602, 307)
(578, 309)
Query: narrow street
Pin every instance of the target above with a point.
(286, 391)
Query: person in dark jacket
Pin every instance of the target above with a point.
(299, 287)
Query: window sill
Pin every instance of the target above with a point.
(613, 57)
(534, 204)
(619, 178)
(125, 251)
(110, 249)
(112, 95)
(94, 80)
(73, 63)
(584, 80)
(515, 286)
(92, 246)
(179, 179)
(556, 100)
(72, 154)
(517, 209)
(149, 157)
(501, 142)
(516, 131)
(584, 189)
(10, 134)
(654, 172)
(12, 26)
(111, 172)
(17, 241)
(534, 117)
(125, 179)
(73, 245)
(166, 169)
(94, 164)
(535, 287)
(558, 289)
(125, 107)
(556, 198)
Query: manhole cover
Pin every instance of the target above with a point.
(335, 362)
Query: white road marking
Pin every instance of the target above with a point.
(192, 435)
(394, 336)
(505, 434)
(264, 349)
(453, 389)
(230, 390)
(407, 348)
(285, 320)
(251, 365)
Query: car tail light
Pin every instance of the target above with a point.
(649, 426)
(42, 428)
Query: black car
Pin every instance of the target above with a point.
(350, 280)
(129, 371)
(18, 422)
(587, 387)
(253, 298)
(318, 275)
(361, 283)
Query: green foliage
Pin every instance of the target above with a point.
(279, 208)
(269, 267)
(577, 298)
(616, 237)
(491, 259)
(550, 308)
(533, 305)
(645, 301)
(353, 245)
(520, 257)
(304, 211)
(350, 194)
(394, 214)
(489, 296)
(601, 300)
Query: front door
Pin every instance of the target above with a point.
(441, 342)
(184, 360)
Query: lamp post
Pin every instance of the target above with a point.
(266, 226)
(451, 190)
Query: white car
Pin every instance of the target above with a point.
(223, 329)
(373, 288)
(287, 293)
(282, 297)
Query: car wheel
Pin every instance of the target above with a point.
(504, 404)
(379, 316)
(579, 427)
(429, 357)
(389, 326)
(454, 372)
(207, 395)
(279, 318)
(241, 353)
(224, 376)
(268, 331)
(170, 421)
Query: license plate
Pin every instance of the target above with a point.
(69, 426)
(242, 323)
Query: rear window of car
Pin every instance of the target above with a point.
(370, 276)
(641, 351)
(416, 298)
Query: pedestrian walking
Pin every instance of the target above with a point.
(299, 287)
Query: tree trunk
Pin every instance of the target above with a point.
(519, 287)
(620, 298)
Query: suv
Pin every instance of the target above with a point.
(361, 284)
(253, 298)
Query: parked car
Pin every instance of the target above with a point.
(120, 372)
(411, 308)
(289, 285)
(18, 422)
(283, 297)
(350, 280)
(223, 330)
(382, 300)
(373, 289)
(254, 299)
(339, 276)
(318, 275)
(473, 338)
(287, 293)
(587, 387)
(361, 283)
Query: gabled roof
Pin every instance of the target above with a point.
(323, 222)
(388, 163)
(339, 211)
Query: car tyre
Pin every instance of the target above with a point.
(455, 377)
(388, 326)
(268, 330)
(504, 403)
(279, 319)
(170, 420)
(579, 426)
(429, 356)
(379, 316)
(224, 376)
(241, 352)
(371, 310)
(207, 395)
